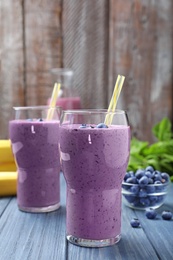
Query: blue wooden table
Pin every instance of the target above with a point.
(30, 236)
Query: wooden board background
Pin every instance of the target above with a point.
(98, 40)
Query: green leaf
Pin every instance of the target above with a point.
(160, 147)
(162, 130)
(137, 146)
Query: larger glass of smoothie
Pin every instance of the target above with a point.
(35, 145)
(94, 160)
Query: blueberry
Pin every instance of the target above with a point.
(134, 189)
(101, 125)
(157, 177)
(148, 174)
(150, 181)
(130, 198)
(149, 168)
(83, 126)
(139, 174)
(131, 180)
(142, 193)
(145, 202)
(165, 177)
(150, 188)
(128, 175)
(40, 119)
(153, 200)
(151, 213)
(135, 222)
(167, 215)
(143, 181)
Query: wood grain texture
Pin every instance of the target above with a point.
(3, 204)
(33, 236)
(163, 243)
(85, 48)
(141, 48)
(43, 43)
(11, 69)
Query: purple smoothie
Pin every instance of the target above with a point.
(36, 150)
(94, 164)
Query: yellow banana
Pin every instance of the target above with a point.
(6, 154)
(8, 183)
(8, 167)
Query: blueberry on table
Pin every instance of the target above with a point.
(151, 213)
(40, 119)
(167, 215)
(135, 222)
(83, 126)
(101, 125)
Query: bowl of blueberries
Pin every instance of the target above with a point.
(145, 188)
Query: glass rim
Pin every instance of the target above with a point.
(35, 108)
(63, 71)
(93, 111)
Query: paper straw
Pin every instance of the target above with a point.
(53, 100)
(114, 99)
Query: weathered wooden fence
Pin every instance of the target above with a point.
(98, 40)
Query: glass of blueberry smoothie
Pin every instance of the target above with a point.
(35, 145)
(94, 159)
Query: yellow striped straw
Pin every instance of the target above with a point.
(54, 96)
(116, 93)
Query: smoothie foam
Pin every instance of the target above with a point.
(94, 164)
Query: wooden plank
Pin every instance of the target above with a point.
(43, 44)
(12, 59)
(85, 48)
(162, 229)
(33, 236)
(141, 48)
(3, 204)
(133, 245)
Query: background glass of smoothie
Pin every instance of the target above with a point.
(68, 97)
(94, 161)
(35, 145)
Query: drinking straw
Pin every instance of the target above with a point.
(114, 99)
(54, 96)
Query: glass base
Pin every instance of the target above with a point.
(93, 243)
(41, 209)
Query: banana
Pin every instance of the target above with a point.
(8, 183)
(6, 154)
(8, 167)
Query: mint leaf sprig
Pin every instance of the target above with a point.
(159, 154)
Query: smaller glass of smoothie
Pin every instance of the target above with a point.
(94, 160)
(68, 97)
(35, 145)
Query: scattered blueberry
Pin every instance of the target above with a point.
(151, 213)
(101, 125)
(167, 215)
(83, 126)
(40, 119)
(135, 222)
